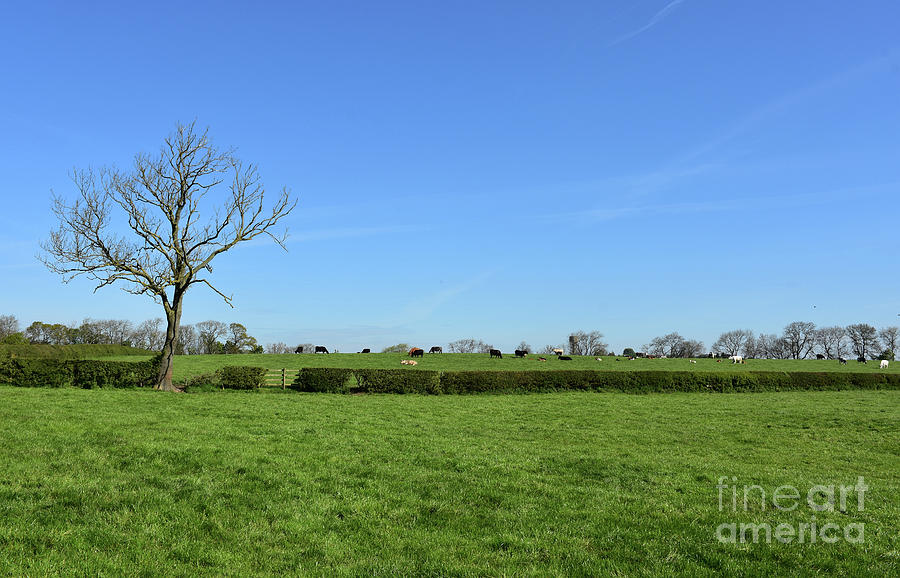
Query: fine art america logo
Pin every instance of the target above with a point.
(819, 498)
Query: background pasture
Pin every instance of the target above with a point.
(190, 365)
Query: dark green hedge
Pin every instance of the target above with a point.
(90, 374)
(36, 372)
(398, 381)
(467, 382)
(86, 374)
(241, 377)
(323, 379)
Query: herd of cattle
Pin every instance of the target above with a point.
(419, 352)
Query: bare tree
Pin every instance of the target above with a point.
(116, 331)
(550, 349)
(188, 341)
(582, 343)
(278, 348)
(864, 338)
(149, 334)
(889, 337)
(733, 342)
(772, 346)
(468, 345)
(9, 325)
(209, 334)
(674, 345)
(169, 249)
(831, 341)
(799, 337)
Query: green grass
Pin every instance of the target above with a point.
(132, 482)
(190, 365)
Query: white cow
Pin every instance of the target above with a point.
(558, 351)
(736, 359)
(884, 364)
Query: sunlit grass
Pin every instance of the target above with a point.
(140, 483)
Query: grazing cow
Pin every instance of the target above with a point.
(496, 353)
(736, 359)
(299, 349)
(842, 360)
(860, 359)
(408, 362)
(366, 350)
(820, 356)
(321, 349)
(564, 358)
(521, 353)
(436, 349)
(416, 352)
(558, 351)
(884, 364)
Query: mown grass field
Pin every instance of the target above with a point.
(190, 365)
(133, 482)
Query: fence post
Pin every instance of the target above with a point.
(283, 381)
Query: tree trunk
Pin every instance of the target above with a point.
(167, 362)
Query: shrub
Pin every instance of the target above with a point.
(91, 374)
(202, 383)
(398, 381)
(36, 372)
(323, 380)
(241, 377)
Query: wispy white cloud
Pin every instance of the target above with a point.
(726, 204)
(790, 100)
(657, 18)
(347, 232)
(423, 307)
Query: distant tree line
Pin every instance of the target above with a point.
(802, 340)
(205, 337)
(798, 340)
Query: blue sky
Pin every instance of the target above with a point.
(497, 170)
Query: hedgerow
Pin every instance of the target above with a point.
(241, 377)
(80, 373)
(323, 380)
(88, 374)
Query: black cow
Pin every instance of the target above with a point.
(416, 352)
(860, 359)
(842, 360)
(564, 358)
(436, 349)
(299, 349)
(321, 349)
(366, 350)
(496, 353)
(521, 353)
(820, 356)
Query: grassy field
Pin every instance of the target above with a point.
(190, 365)
(132, 482)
